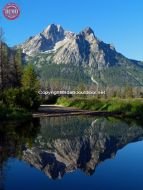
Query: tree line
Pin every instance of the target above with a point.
(10, 65)
(18, 82)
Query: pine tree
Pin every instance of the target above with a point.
(1, 61)
(5, 66)
(29, 78)
(18, 65)
(11, 70)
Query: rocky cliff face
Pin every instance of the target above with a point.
(66, 47)
(84, 50)
(44, 41)
(100, 141)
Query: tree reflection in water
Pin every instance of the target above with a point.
(14, 137)
(59, 145)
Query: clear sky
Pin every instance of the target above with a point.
(119, 22)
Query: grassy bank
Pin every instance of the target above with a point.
(7, 113)
(126, 107)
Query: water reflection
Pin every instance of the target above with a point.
(60, 145)
(14, 138)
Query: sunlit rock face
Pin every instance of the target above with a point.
(56, 50)
(67, 47)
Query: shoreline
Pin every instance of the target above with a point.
(90, 113)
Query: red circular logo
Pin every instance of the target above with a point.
(11, 11)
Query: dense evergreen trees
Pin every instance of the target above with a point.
(10, 65)
(29, 78)
(18, 84)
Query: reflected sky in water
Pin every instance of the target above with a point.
(71, 153)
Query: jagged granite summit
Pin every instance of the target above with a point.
(67, 47)
(44, 41)
(58, 46)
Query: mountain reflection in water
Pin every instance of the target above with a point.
(59, 145)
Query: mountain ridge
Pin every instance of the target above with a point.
(58, 46)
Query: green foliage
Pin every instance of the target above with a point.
(29, 78)
(29, 99)
(21, 98)
(10, 97)
(13, 113)
(82, 103)
(17, 103)
(126, 73)
(126, 107)
(137, 108)
(62, 75)
(10, 67)
(118, 106)
(18, 65)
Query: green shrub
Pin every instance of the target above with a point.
(29, 99)
(21, 98)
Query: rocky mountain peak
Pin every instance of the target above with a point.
(55, 32)
(89, 35)
(58, 46)
(53, 28)
(88, 31)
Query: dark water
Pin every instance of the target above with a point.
(63, 153)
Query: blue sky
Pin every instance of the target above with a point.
(119, 22)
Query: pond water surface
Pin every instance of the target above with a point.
(66, 153)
